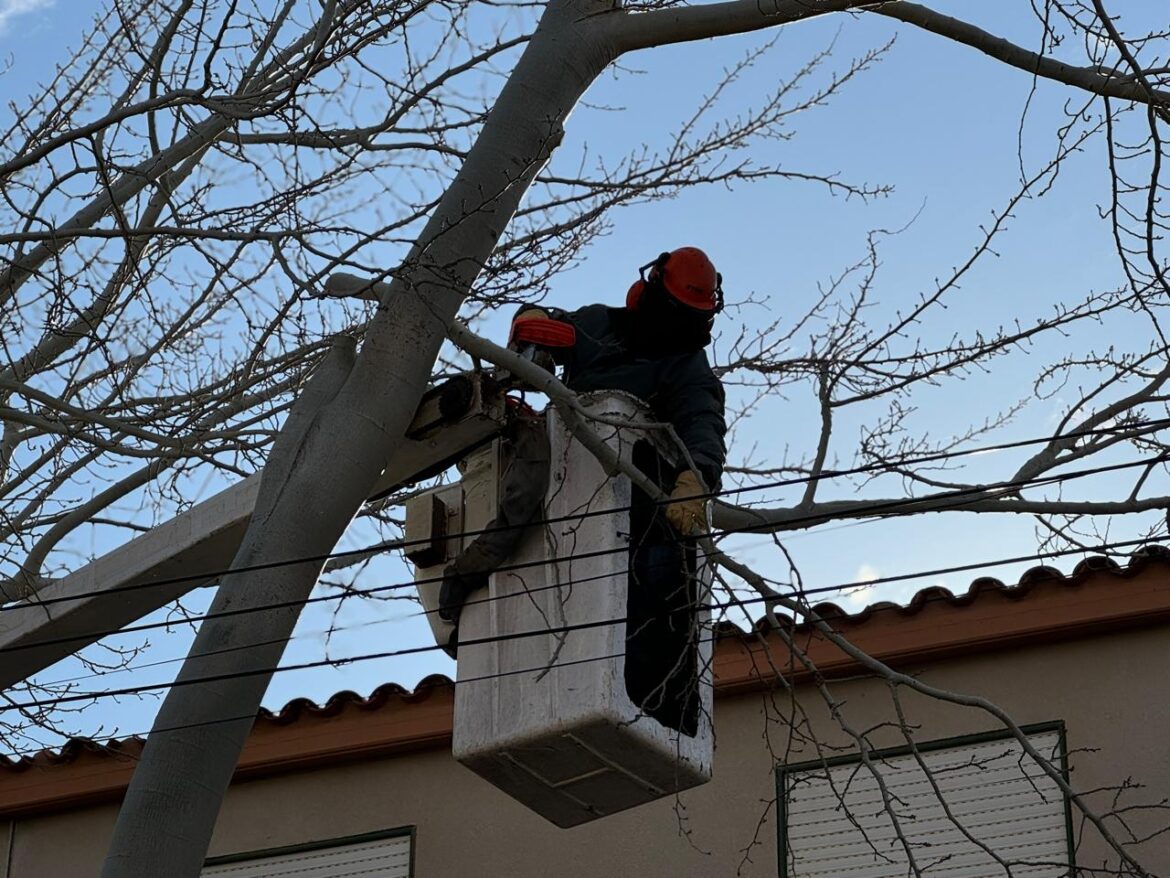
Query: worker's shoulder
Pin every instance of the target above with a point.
(691, 372)
(695, 360)
(594, 314)
(599, 323)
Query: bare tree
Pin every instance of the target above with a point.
(197, 153)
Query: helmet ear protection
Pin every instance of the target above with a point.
(718, 293)
(655, 268)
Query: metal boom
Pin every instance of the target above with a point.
(116, 589)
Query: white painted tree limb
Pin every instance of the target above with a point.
(327, 465)
(189, 787)
(681, 24)
(686, 23)
(1106, 83)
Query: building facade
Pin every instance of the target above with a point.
(367, 786)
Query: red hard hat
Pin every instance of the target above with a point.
(688, 275)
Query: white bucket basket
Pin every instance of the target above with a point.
(546, 717)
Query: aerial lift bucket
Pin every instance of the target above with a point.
(550, 702)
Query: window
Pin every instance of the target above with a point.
(833, 820)
(375, 855)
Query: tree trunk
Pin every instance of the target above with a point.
(339, 438)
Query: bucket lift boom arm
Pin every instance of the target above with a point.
(115, 589)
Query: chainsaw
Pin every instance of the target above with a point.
(531, 339)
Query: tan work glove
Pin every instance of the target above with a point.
(687, 511)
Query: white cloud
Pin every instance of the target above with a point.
(865, 573)
(10, 9)
(863, 594)
(860, 596)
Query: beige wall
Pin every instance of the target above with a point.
(1111, 691)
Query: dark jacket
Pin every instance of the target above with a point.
(680, 389)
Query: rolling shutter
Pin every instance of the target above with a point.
(387, 857)
(836, 822)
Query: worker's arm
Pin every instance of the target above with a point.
(693, 402)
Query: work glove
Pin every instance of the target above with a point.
(687, 510)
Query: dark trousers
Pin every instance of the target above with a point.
(662, 672)
(523, 484)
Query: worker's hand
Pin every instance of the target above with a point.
(687, 511)
(545, 360)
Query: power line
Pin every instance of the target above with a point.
(278, 605)
(797, 593)
(891, 507)
(803, 480)
(342, 628)
(561, 629)
(48, 684)
(352, 592)
(507, 568)
(348, 628)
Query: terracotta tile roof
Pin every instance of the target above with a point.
(1099, 596)
(296, 710)
(1032, 578)
(341, 701)
(1045, 605)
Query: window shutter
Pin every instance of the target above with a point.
(380, 858)
(836, 822)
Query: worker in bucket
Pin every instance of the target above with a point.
(653, 348)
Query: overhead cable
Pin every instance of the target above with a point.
(519, 635)
(890, 508)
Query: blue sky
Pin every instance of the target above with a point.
(938, 122)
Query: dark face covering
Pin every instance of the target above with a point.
(663, 326)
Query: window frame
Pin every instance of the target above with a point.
(953, 742)
(320, 844)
